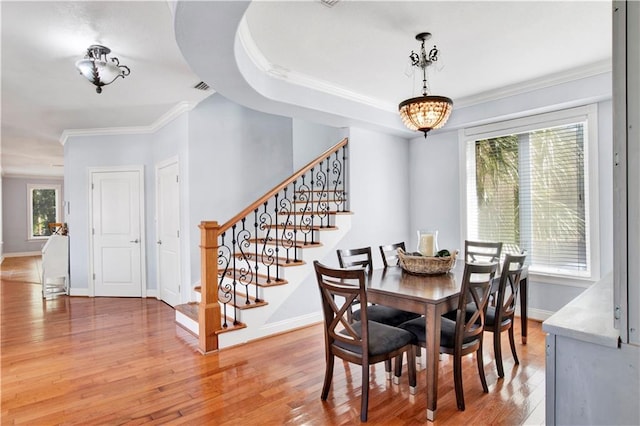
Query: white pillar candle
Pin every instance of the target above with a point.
(427, 244)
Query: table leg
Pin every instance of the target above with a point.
(524, 286)
(433, 356)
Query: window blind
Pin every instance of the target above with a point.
(528, 190)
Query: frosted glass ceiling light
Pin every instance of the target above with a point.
(99, 70)
(425, 112)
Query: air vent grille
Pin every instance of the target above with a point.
(329, 3)
(201, 86)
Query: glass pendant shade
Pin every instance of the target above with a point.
(98, 70)
(425, 112)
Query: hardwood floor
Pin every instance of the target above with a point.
(80, 360)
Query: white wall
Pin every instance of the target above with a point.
(378, 176)
(15, 211)
(311, 140)
(435, 173)
(81, 153)
(235, 156)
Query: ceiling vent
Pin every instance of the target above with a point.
(329, 3)
(201, 86)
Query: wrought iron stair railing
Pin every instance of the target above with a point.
(251, 250)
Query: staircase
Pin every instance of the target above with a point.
(251, 264)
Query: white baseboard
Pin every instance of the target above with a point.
(79, 292)
(23, 254)
(536, 314)
(152, 293)
(1, 259)
(292, 323)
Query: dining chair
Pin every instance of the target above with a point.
(463, 335)
(363, 342)
(500, 318)
(482, 251)
(361, 258)
(389, 253)
(355, 258)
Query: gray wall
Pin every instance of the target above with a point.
(435, 173)
(235, 156)
(377, 166)
(82, 153)
(311, 140)
(15, 210)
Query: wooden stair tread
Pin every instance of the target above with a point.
(279, 261)
(298, 245)
(313, 228)
(191, 310)
(262, 280)
(242, 297)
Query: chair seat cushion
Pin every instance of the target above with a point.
(382, 338)
(490, 318)
(447, 331)
(385, 315)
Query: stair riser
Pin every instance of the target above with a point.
(317, 220)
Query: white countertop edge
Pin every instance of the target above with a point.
(588, 317)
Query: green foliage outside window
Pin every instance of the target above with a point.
(43, 211)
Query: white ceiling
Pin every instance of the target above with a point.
(355, 49)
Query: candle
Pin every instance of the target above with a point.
(426, 244)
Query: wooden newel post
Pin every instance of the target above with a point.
(209, 319)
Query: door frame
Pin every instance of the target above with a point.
(161, 164)
(143, 223)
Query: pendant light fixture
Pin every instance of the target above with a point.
(99, 70)
(425, 112)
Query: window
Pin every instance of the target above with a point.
(44, 208)
(529, 184)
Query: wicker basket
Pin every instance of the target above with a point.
(426, 265)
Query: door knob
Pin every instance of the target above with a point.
(134, 241)
(159, 241)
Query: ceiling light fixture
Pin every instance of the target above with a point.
(99, 70)
(425, 112)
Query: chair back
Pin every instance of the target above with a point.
(389, 253)
(355, 258)
(508, 287)
(482, 251)
(348, 285)
(476, 286)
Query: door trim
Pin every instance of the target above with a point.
(143, 224)
(161, 164)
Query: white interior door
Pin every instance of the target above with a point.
(168, 231)
(117, 233)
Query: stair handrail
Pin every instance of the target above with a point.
(216, 254)
(227, 225)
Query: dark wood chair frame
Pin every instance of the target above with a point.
(389, 253)
(506, 297)
(349, 284)
(470, 320)
(355, 258)
(482, 251)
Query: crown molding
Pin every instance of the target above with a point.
(173, 113)
(550, 80)
(300, 79)
(279, 72)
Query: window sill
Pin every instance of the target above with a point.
(539, 277)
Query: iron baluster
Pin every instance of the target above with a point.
(295, 224)
(305, 225)
(235, 269)
(321, 209)
(266, 223)
(277, 250)
(313, 236)
(337, 181)
(287, 233)
(244, 244)
(224, 289)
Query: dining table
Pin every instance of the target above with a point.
(431, 296)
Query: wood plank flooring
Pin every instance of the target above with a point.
(89, 361)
